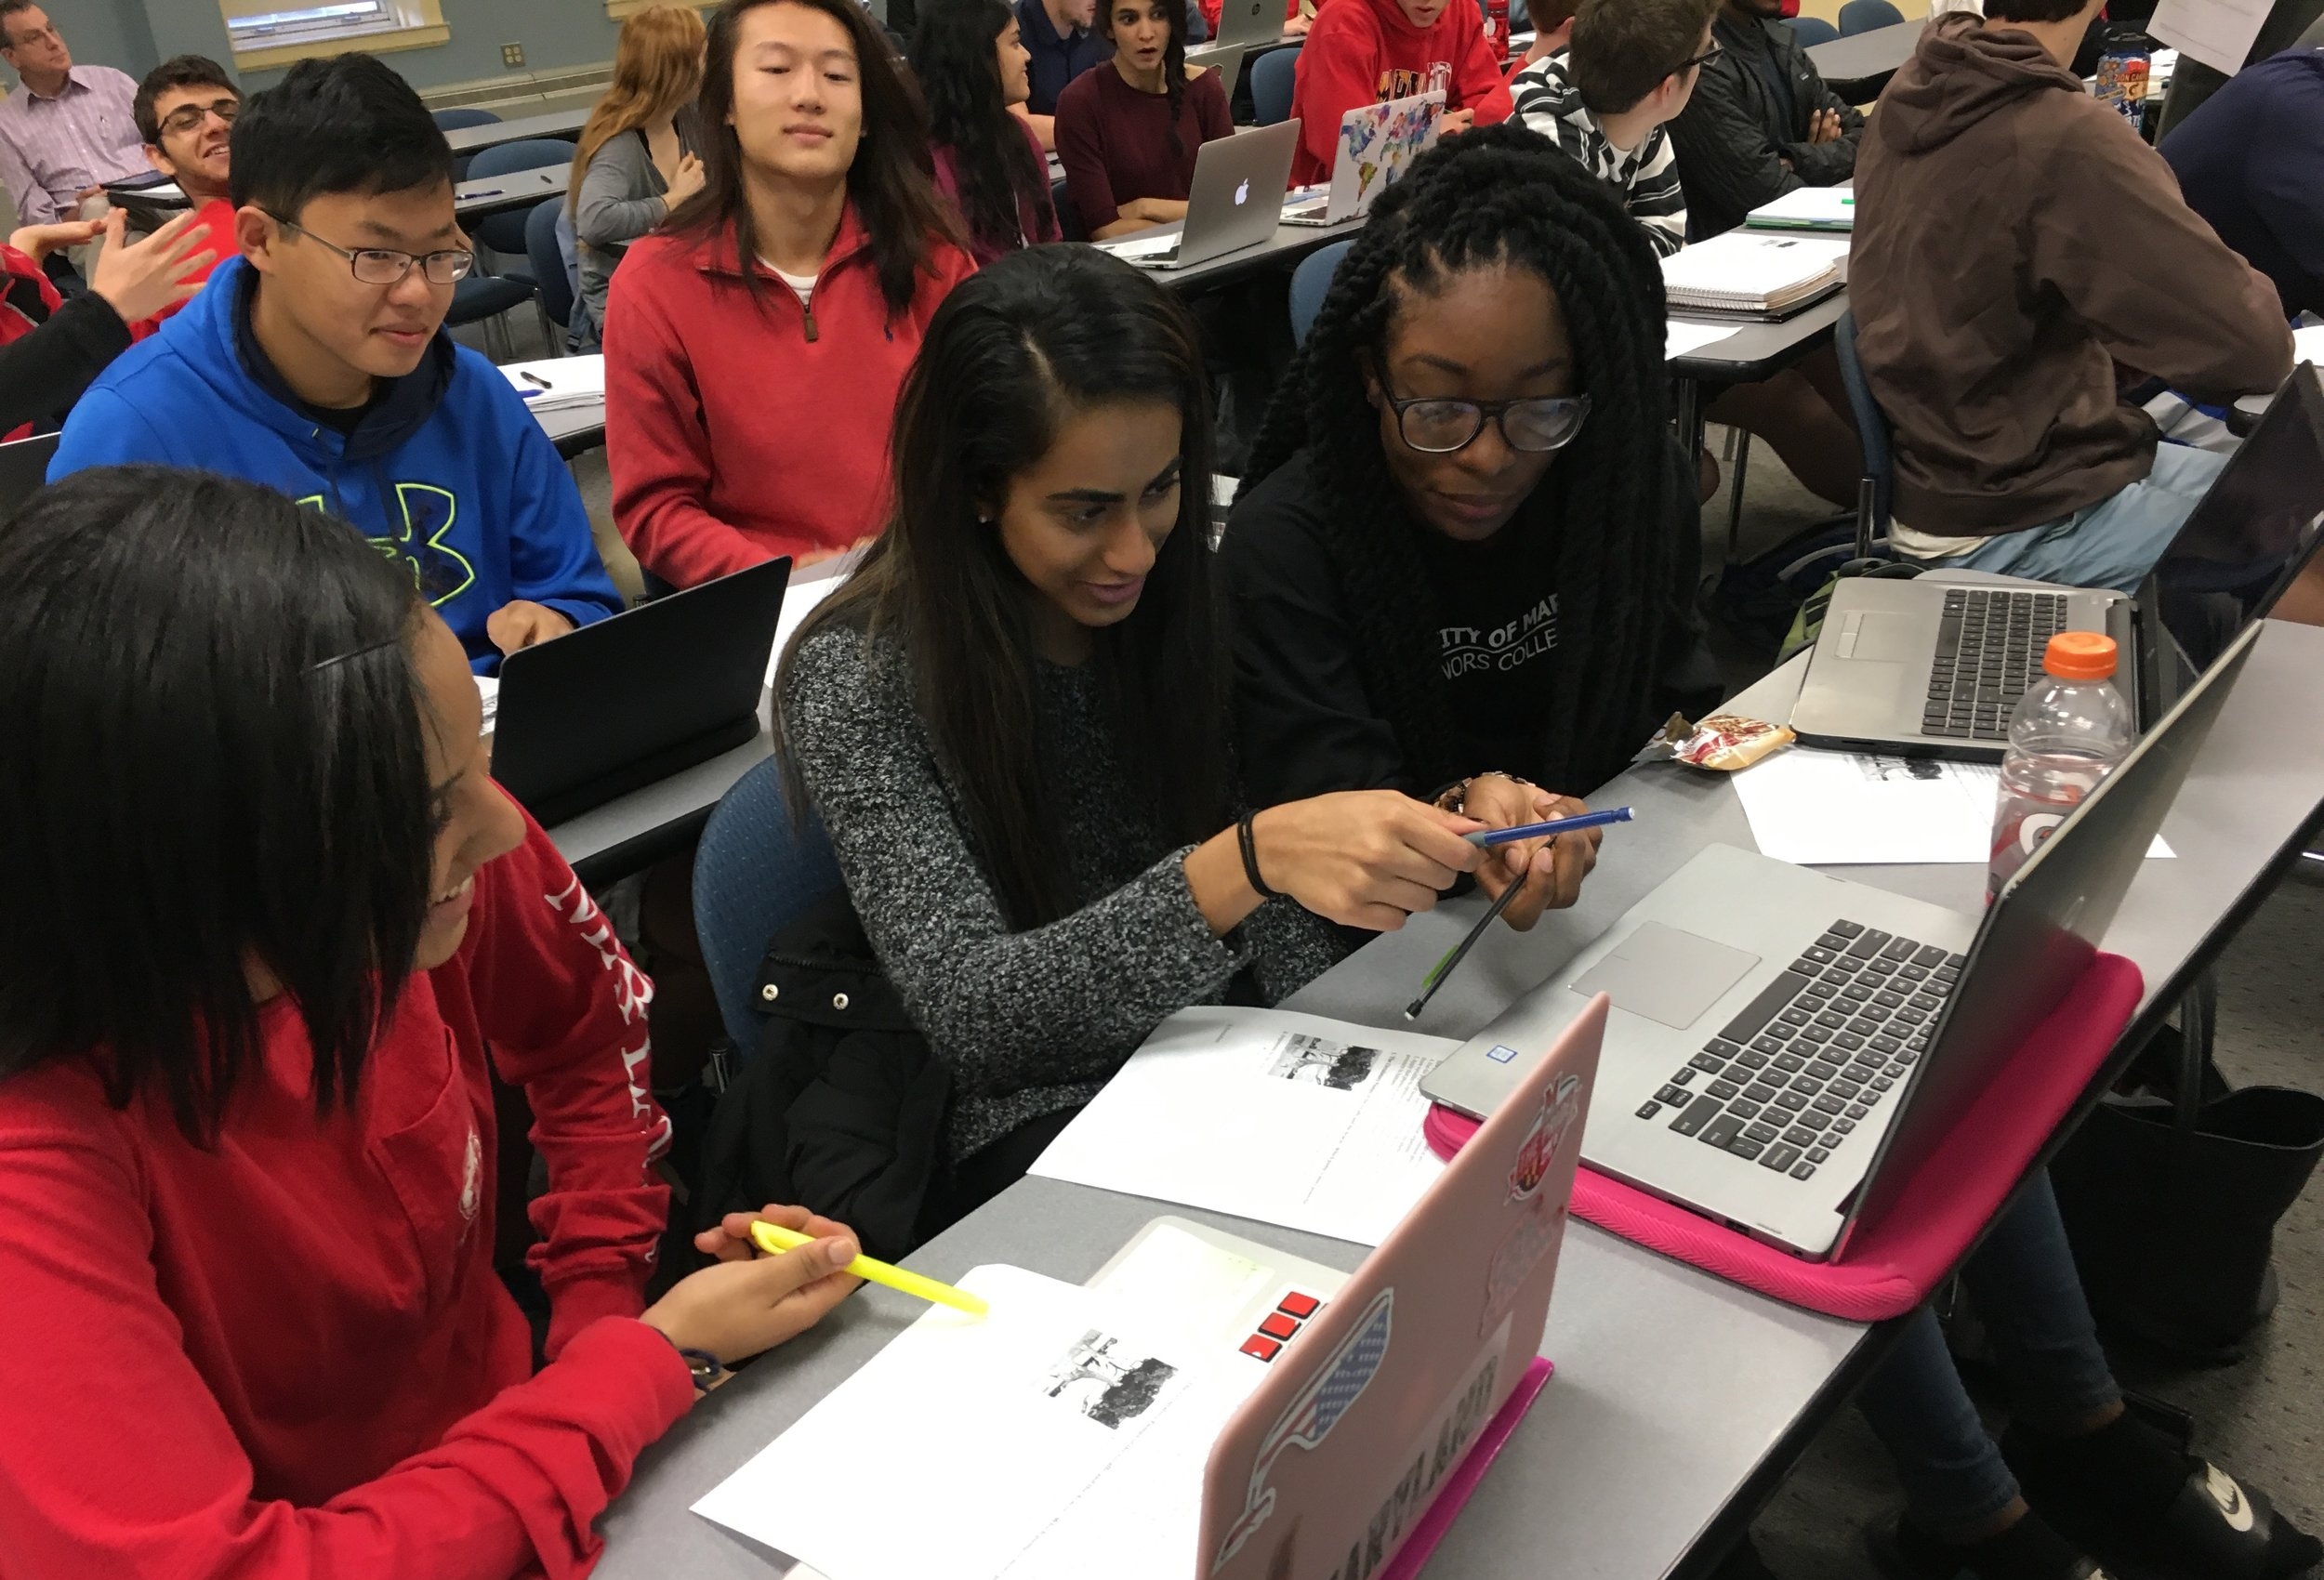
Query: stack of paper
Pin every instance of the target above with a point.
(559, 383)
(1808, 208)
(1752, 274)
(1281, 1118)
(1061, 1436)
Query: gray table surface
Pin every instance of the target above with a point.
(518, 189)
(1759, 350)
(1673, 1390)
(1284, 248)
(565, 124)
(1864, 55)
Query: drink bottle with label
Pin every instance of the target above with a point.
(2071, 726)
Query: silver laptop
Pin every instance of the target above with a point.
(1235, 200)
(1787, 1049)
(1934, 670)
(1244, 22)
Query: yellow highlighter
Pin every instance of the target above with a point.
(775, 1240)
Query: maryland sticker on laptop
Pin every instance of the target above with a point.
(1330, 1464)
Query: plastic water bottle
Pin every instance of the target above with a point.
(1497, 29)
(2070, 729)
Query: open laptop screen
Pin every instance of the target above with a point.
(2249, 548)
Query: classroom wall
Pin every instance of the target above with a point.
(557, 35)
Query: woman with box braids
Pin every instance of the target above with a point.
(1457, 556)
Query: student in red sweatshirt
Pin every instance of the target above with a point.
(753, 349)
(272, 930)
(1371, 51)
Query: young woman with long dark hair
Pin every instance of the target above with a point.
(1011, 718)
(1455, 564)
(1129, 128)
(635, 164)
(755, 346)
(972, 66)
(272, 932)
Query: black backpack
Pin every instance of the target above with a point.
(842, 1107)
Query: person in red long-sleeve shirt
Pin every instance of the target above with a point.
(272, 929)
(755, 347)
(1363, 52)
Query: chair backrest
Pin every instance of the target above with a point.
(1272, 76)
(1069, 225)
(549, 260)
(1311, 282)
(1880, 463)
(756, 870)
(23, 467)
(1812, 31)
(461, 119)
(1863, 16)
(503, 232)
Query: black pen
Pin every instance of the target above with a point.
(534, 378)
(1445, 966)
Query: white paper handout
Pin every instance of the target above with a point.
(1683, 338)
(2307, 344)
(2218, 32)
(1807, 208)
(1841, 809)
(1282, 1118)
(1061, 1436)
(559, 384)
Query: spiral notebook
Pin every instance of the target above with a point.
(1743, 274)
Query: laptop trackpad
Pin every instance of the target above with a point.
(1885, 639)
(1666, 975)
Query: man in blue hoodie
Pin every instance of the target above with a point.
(317, 364)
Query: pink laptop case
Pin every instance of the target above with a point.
(1369, 1414)
(1890, 1266)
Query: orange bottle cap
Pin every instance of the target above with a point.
(2079, 655)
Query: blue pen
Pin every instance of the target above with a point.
(1489, 837)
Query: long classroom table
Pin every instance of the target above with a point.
(1680, 1401)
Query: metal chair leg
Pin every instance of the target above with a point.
(1734, 505)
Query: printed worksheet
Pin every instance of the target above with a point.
(2218, 32)
(1281, 1118)
(1059, 1437)
(1820, 808)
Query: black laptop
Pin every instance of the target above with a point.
(615, 706)
(23, 467)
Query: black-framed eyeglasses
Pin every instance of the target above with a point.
(1436, 425)
(185, 117)
(1705, 59)
(385, 265)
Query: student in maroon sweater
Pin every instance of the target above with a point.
(1129, 128)
(753, 349)
(271, 932)
(971, 63)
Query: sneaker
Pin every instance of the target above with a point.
(2027, 1550)
(2131, 1494)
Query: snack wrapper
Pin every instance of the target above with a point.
(1725, 742)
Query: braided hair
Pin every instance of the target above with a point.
(1501, 196)
(952, 56)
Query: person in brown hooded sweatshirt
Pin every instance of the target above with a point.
(2018, 251)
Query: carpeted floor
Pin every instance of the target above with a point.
(2263, 1417)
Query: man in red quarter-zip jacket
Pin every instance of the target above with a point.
(742, 424)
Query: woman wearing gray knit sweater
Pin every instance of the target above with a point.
(634, 163)
(1013, 718)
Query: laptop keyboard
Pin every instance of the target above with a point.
(1787, 1082)
(1988, 648)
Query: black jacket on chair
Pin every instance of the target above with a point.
(1741, 142)
(841, 1108)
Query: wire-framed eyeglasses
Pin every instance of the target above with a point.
(385, 266)
(1436, 426)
